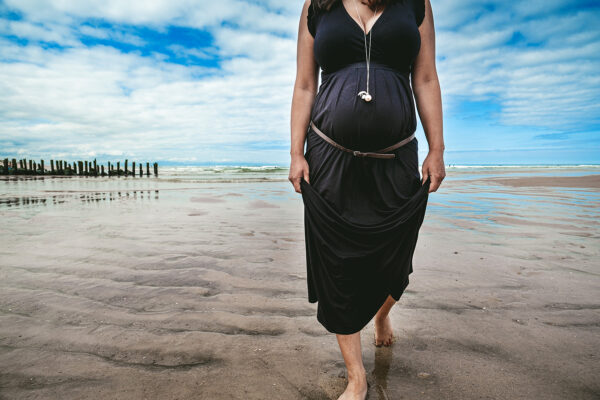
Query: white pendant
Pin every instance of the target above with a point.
(365, 96)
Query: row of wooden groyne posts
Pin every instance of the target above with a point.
(79, 168)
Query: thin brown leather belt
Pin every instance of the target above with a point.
(376, 154)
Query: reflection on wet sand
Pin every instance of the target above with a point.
(82, 197)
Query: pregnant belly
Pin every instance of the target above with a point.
(388, 118)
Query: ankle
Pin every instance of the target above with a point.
(381, 318)
(357, 374)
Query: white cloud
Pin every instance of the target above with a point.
(547, 81)
(111, 34)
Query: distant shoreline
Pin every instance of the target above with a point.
(265, 166)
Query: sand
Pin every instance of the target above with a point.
(182, 290)
(585, 181)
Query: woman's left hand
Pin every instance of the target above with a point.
(433, 167)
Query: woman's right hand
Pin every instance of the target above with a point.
(298, 170)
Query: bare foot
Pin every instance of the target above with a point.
(357, 388)
(384, 334)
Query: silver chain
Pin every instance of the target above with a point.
(367, 55)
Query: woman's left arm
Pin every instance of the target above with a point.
(426, 88)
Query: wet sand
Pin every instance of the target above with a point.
(182, 290)
(586, 181)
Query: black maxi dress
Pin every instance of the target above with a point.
(362, 215)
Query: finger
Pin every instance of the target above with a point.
(435, 183)
(425, 175)
(306, 176)
(426, 171)
(296, 183)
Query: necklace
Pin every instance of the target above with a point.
(365, 95)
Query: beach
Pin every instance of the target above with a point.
(192, 285)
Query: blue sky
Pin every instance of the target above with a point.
(184, 81)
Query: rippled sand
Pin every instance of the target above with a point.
(124, 289)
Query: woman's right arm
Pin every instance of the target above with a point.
(305, 89)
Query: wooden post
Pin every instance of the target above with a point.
(141, 170)
(102, 166)
(42, 168)
(147, 169)
(118, 172)
(155, 169)
(133, 169)
(80, 167)
(6, 166)
(125, 167)
(95, 168)
(86, 167)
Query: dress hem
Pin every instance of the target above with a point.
(363, 324)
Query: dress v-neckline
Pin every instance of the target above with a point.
(356, 22)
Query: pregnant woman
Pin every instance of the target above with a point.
(364, 199)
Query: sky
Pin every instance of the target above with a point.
(198, 81)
